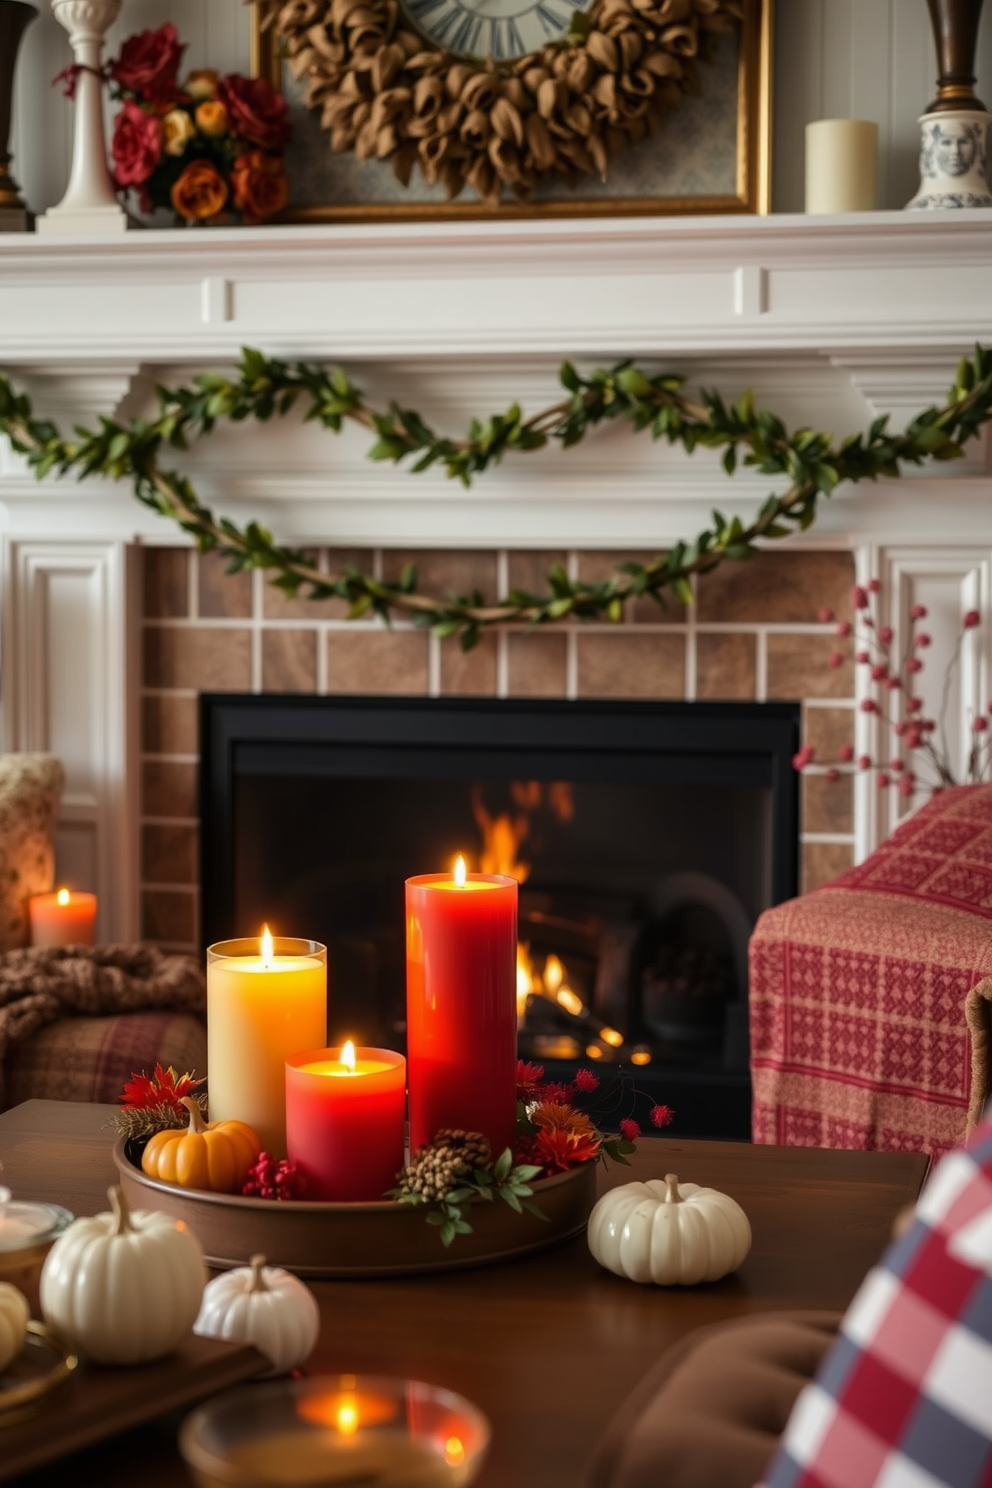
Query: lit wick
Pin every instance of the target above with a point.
(62, 897)
(348, 1057)
(460, 872)
(265, 946)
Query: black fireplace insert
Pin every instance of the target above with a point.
(646, 837)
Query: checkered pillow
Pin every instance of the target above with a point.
(904, 1398)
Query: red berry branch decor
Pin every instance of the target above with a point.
(919, 758)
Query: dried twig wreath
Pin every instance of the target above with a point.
(384, 91)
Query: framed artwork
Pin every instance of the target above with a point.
(709, 153)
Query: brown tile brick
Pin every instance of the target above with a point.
(822, 861)
(169, 725)
(631, 666)
(289, 660)
(278, 606)
(440, 573)
(594, 567)
(211, 659)
(168, 917)
(469, 673)
(169, 789)
(530, 570)
(778, 587)
(827, 805)
(725, 666)
(165, 583)
(387, 661)
(169, 855)
(222, 596)
(536, 664)
(827, 729)
(797, 668)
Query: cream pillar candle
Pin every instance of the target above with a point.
(841, 165)
(265, 1002)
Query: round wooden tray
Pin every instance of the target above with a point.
(381, 1239)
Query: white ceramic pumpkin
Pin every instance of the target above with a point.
(123, 1287)
(670, 1233)
(264, 1306)
(14, 1314)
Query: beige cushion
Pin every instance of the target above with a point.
(30, 786)
(710, 1413)
(89, 1059)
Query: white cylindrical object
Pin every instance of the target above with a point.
(841, 165)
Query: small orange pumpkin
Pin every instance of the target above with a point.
(214, 1155)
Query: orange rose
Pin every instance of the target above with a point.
(199, 193)
(260, 186)
(212, 117)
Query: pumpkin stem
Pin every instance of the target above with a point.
(258, 1282)
(673, 1196)
(122, 1214)
(196, 1121)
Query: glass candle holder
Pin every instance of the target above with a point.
(262, 1006)
(345, 1121)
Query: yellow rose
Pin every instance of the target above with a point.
(211, 117)
(202, 83)
(177, 131)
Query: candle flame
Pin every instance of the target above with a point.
(63, 896)
(454, 1451)
(460, 871)
(346, 1418)
(265, 946)
(348, 1056)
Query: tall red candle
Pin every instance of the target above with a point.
(461, 1006)
(345, 1112)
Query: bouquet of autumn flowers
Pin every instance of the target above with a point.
(209, 148)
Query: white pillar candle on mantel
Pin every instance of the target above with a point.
(841, 166)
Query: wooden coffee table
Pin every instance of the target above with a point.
(548, 1346)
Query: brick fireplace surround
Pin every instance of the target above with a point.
(752, 635)
(110, 627)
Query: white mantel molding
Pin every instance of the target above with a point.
(732, 285)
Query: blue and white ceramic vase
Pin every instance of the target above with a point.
(953, 161)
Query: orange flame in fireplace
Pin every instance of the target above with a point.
(501, 839)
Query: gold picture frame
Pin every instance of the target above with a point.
(740, 145)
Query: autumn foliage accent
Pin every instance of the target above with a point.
(555, 1135)
(274, 1178)
(163, 1088)
(210, 148)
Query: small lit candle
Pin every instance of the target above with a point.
(265, 1000)
(461, 996)
(345, 1116)
(62, 919)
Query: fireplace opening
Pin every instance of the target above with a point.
(646, 838)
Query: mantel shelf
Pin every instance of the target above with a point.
(736, 286)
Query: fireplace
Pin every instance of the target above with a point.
(647, 838)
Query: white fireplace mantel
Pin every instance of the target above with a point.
(831, 321)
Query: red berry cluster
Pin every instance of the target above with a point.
(274, 1178)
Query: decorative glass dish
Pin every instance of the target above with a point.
(27, 1232)
(335, 1430)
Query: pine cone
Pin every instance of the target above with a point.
(443, 1163)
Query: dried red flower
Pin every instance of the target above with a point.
(661, 1115)
(874, 585)
(864, 762)
(859, 598)
(586, 1081)
(918, 612)
(844, 629)
(846, 753)
(972, 619)
(164, 1088)
(862, 658)
(274, 1178)
(922, 640)
(868, 705)
(835, 659)
(980, 724)
(880, 672)
(825, 614)
(803, 757)
(914, 664)
(557, 1151)
(630, 1129)
(833, 774)
(554, 1094)
(885, 635)
(881, 779)
(529, 1077)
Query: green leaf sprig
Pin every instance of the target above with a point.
(503, 1179)
(265, 387)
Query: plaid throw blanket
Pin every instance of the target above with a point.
(45, 983)
(858, 992)
(904, 1398)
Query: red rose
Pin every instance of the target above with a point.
(257, 112)
(137, 145)
(148, 65)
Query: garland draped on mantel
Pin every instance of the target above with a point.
(264, 387)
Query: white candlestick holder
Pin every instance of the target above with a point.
(90, 207)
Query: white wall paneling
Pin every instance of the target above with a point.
(65, 672)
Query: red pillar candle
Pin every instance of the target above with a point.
(64, 918)
(345, 1117)
(461, 980)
